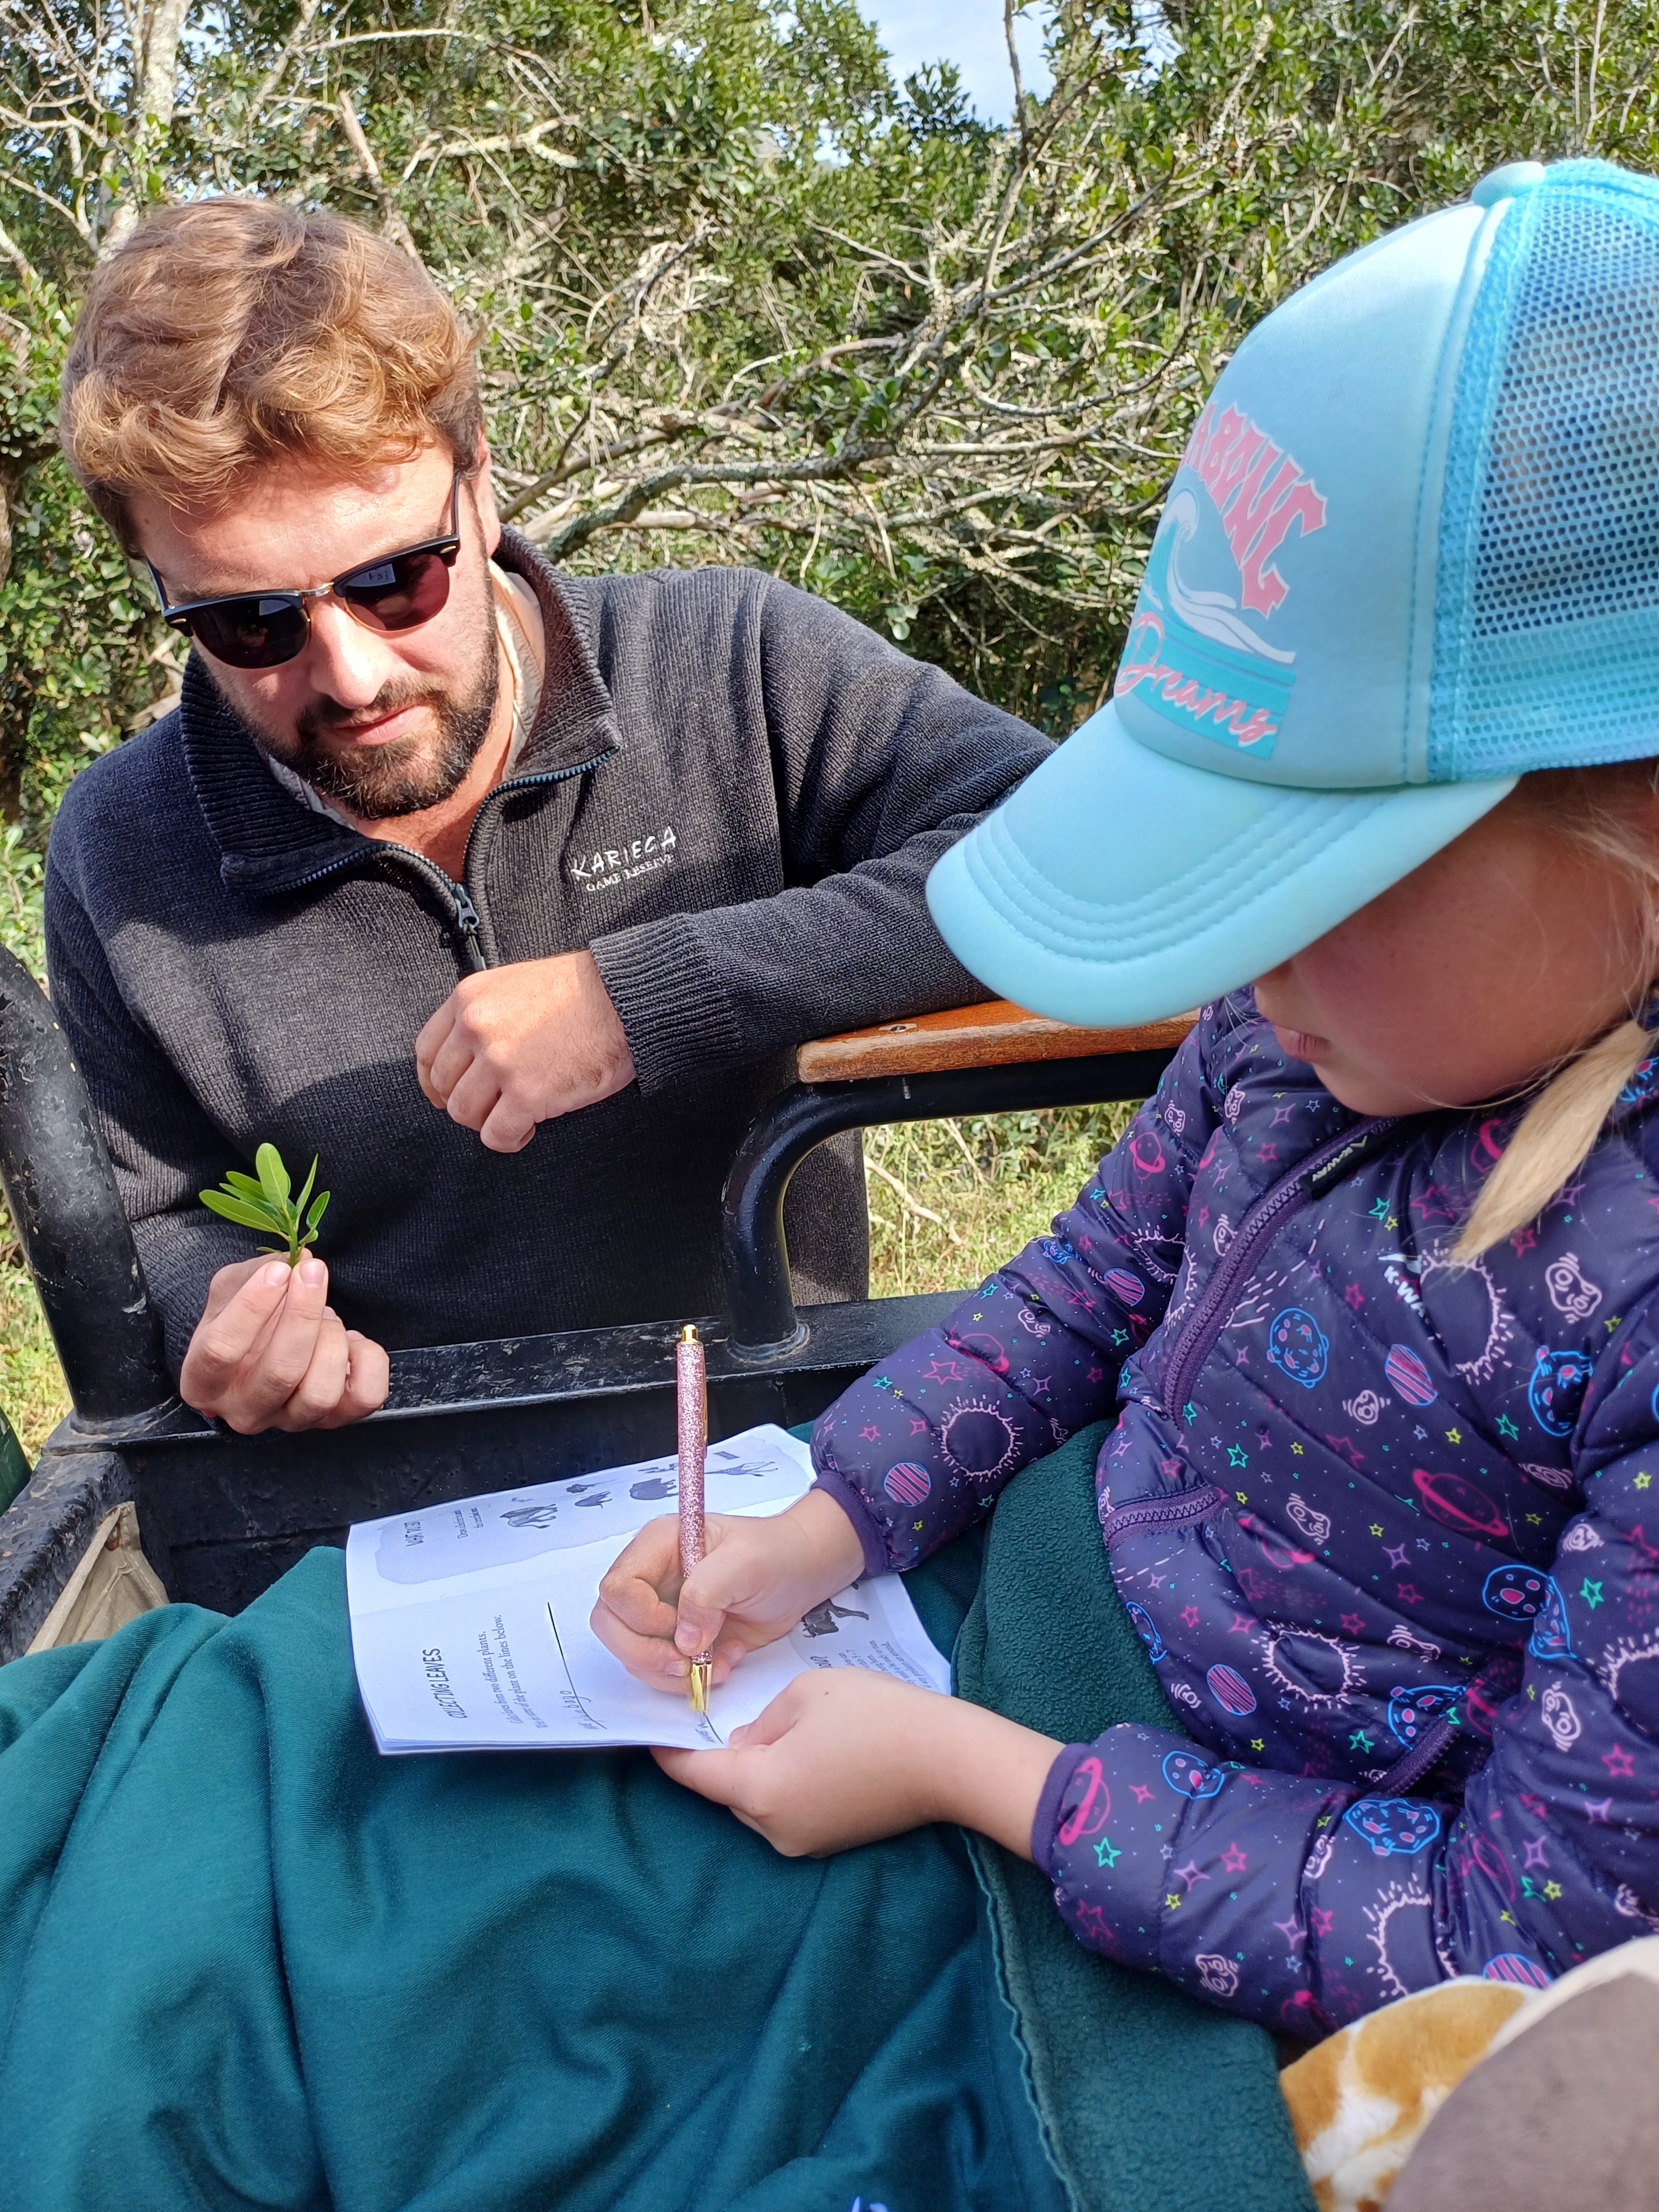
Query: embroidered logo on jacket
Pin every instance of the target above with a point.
(620, 864)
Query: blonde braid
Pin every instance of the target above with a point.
(1602, 808)
(1555, 1137)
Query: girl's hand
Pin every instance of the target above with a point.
(844, 1756)
(756, 1580)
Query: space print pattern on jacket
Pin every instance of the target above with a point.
(1394, 1554)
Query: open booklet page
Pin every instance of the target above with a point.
(470, 1621)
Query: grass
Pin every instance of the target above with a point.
(32, 1393)
(949, 1201)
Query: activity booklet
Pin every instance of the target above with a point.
(470, 1621)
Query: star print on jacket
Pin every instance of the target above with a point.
(1384, 1525)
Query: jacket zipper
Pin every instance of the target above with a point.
(1427, 1752)
(1161, 1512)
(1141, 1513)
(456, 896)
(466, 912)
(1310, 1179)
(463, 913)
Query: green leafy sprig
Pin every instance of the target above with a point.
(265, 1204)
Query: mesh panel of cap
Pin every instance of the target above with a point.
(1546, 634)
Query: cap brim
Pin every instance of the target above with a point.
(1115, 885)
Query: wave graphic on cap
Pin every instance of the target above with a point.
(1208, 614)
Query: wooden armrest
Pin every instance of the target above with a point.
(998, 1035)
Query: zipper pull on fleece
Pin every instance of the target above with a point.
(466, 922)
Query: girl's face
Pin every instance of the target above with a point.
(1498, 958)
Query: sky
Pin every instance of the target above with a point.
(969, 33)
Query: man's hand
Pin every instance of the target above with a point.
(520, 1044)
(845, 1757)
(270, 1352)
(756, 1580)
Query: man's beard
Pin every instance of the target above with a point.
(406, 775)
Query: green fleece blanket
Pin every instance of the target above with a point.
(246, 1962)
(1151, 2101)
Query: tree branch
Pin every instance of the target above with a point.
(159, 26)
(392, 223)
(28, 275)
(274, 76)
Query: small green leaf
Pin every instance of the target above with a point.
(241, 1210)
(266, 1205)
(259, 1203)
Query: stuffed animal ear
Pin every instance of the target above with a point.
(1360, 2100)
(1490, 2095)
(1564, 2108)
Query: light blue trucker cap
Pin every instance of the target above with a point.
(1411, 552)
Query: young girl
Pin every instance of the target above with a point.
(1372, 1278)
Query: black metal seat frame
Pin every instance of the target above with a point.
(221, 1516)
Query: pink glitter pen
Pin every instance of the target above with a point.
(691, 1378)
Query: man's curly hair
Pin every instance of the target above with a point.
(227, 334)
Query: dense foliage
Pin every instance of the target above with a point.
(742, 298)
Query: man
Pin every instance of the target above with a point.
(444, 851)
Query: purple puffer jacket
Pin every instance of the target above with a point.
(1389, 1530)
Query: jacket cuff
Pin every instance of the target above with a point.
(1114, 1821)
(1046, 1819)
(871, 1533)
(678, 1016)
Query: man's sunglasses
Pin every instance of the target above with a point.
(262, 630)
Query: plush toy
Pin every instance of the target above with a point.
(1490, 2095)
(1360, 2099)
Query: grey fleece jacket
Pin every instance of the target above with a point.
(732, 793)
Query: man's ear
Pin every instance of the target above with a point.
(482, 487)
(130, 538)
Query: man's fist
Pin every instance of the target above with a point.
(520, 1044)
(270, 1352)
